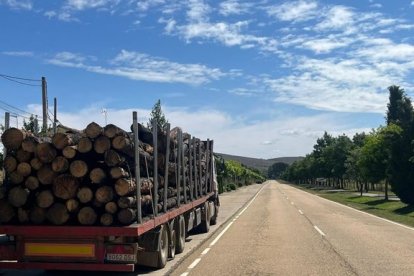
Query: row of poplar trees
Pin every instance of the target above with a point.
(384, 155)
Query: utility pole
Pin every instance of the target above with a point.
(44, 104)
(54, 115)
(6, 126)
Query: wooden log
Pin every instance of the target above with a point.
(113, 158)
(127, 216)
(97, 175)
(111, 207)
(72, 205)
(46, 152)
(85, 194)
(62, 140)
(12, 138)
(16, 178)
(78, 168)
(45, 199)
(2, 192)
(24, 169)
(60, 164)
(58, 214)
(104, 194)
(37, 215)
(101, 144)
(36, 164)
(9, 164)
(93, 130)
(124, 144)
(23, 215)
(85, 145)
(118, 172)
(46, 175)
(29, 144)
(69, 152)
(65, 186)
(32, 183)
(7, 212)
(124, 186)
(18, 196)
(97, 205)
(111, 131)
(87, 216)
(127, 202)
(106, 219)
(23, 156)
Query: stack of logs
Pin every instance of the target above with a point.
(88, 178)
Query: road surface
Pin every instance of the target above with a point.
(286, 231)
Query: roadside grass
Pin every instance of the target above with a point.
(392, 210)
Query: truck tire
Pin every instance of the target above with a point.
(205, 219)
(162, 247)
(172, 245)
(213, 220)
(181, 233)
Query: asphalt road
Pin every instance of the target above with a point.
(286, 231)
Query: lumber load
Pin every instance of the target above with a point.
(88, 177)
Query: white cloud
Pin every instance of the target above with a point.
(144, 5)
(412, 3)
(294, 10)
(142, 67)
(325, 45)
(231, 7)
(198, 10)
(18, 53)
(337, 18)
(18, 4)
(86, 4)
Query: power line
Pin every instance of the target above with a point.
(21, 110)
(28, 84)
(18, 78)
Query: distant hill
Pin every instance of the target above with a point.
(259, 163)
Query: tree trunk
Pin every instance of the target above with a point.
(60, 164)
(127, 216)
(111, 131)
(104, 194)
(97, 176)
(118, 172)
(106, 219)
(102, 144)
(46, 175)
(58, 214)
(32, 183)
(87, 216)
(9, 164)
(78, 168)
(111, 207)
(65, 186)
(45, 199)
(29, 144)
(85, 194)
(85, 145)
(93, 130)
(70, 151)
(18, 196)
(386, 189)
(46, 152)
(23, 156)
(127, 202)
(36, 164)
(12, 138)
(24, 169)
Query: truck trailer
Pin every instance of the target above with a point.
(151, 240)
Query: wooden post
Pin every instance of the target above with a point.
(54, 115)
(137, 169)
(6, 126)
(44, 104)
(167, 159)
(155, 143)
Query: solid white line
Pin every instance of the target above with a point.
(300, 211)
(205, 251)
(193, 264)
(359, 211)
(319, 230)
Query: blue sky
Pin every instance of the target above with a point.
(262, 78)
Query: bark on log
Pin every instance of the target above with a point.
(127, 216)
(85, 145)
(16, 178)
(36, 164)
(87, 216)
(124, 144)
(12, 138)
(113, 158)
(23, 215)
(46, 175)
(118, 172)
(29, 144)
(85, 194)
(111, 131)
(107, 219)
(45, 152)
(18, 196)
(97, 175)
(111, 207)
(93, 130)
(58, 214)
(23, 156)
(65, 186)
(104, 194)
(124, 187)
(72, 205)
(70, 151)
(62, 140)
(37, 215)
(60, 164)
(45, 199)
(78, 168)
(101, 144)
(9, 164)
(24, 169)
(127, 202)
(7, 211)
(32, 183)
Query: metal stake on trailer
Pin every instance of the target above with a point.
(180, 148)
(207, 163)
(183, 168)
(200, 171)
(155, 142)
(211, 166)
(190, 168)
(195, 167)
(137, 168)
(167, 160)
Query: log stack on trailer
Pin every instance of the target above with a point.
(89, 177)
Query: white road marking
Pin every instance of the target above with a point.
(221, 234)
(184, 274)
(300, 211)
(194, 264)
(292, 203)
(205, 251)
(319, 230)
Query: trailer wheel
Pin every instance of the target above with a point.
(213, 220)
(205, 219)
(172, 245)
(162, 247)
(181, 233)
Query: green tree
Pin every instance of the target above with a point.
(30, 125)
(158, 116)
(401, 169)
(276, 170)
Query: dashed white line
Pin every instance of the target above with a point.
(205, 251)
(319, 230)
(292, 203)
(300, 212)
(221, 234)
(194, 264)
(184, 274)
